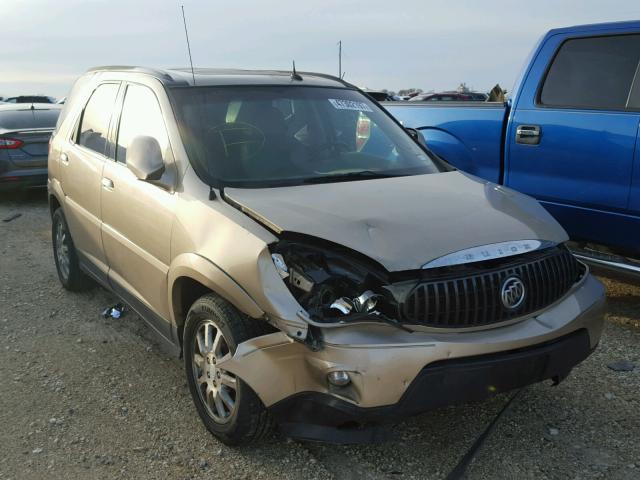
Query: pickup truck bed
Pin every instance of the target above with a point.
(466, 134)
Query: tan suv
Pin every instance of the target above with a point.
(316, 266)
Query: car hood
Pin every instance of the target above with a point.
(402, 222)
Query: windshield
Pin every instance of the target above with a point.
(261, 136)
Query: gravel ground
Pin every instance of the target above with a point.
(85, 397)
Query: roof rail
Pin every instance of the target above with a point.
(331, 77)
(132, 68)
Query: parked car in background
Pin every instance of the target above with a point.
(478, 96)
(568, 136)
(313, 262)
(381, 96)
(441, 97)
(25, 131)
(30, 99)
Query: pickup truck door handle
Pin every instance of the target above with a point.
(528, 134)
(107, 183)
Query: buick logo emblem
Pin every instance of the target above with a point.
(512, 292)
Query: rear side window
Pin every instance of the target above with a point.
(94, 125)
(141, 115)
(592, 73)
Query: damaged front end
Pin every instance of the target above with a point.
(334, 285)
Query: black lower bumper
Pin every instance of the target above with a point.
(11, 181)
(322, 417)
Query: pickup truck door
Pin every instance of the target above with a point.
(572, 133)
(137, 216)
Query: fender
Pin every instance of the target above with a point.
(55, 190)
(204, 271)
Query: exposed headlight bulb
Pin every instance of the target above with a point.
(343, 304)
(366, 302)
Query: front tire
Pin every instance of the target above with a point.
(228, 407)
(64, 253)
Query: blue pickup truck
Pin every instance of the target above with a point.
(567, 136)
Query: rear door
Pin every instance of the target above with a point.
(572, 136)
(137, 215)
(81, 163)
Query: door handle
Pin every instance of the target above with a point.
(528, 134)
(64, 158)
(107, 183)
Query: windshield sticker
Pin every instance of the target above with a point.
(350, 105)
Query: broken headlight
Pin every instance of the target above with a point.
(329, 283)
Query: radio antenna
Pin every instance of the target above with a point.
(295, 75)
(186, 34)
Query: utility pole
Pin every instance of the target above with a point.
(340, 59)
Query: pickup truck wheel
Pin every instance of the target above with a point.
(228, 407)
(65, 256)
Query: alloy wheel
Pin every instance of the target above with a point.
(62, 250)
(217, 388)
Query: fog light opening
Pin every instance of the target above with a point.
(339, 378)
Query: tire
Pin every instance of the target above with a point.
(64, 253)
(213, 330)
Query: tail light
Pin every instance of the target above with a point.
(10, 143)
(363, 131)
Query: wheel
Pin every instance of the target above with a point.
(65, 256)
(228, 407)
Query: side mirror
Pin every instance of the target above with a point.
(144, 158)
(417, 136)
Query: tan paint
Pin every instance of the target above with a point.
(384, 360)
(136, 233)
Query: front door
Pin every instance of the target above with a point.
(137, 216)
(81, 164)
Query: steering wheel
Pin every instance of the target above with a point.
(239, 133)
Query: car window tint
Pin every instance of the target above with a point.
(592, 73)
(264, 136)
(95, 118)
(141, 115)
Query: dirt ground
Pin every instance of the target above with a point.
(84, 397)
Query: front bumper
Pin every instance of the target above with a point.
(323, 417)
(397, 374)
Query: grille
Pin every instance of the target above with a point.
(474, 299)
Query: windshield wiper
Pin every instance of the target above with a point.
(346, 177)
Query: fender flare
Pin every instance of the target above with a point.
(54, 189)
(204, 271)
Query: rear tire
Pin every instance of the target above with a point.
(65, 255)
(228, 407)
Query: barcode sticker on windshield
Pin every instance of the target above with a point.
(350, 105)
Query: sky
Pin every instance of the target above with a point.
(428, 44)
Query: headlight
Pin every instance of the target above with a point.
(330, 283)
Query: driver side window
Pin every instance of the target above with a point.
(141, 115)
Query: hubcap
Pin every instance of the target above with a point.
(216, 387)
(62, 249)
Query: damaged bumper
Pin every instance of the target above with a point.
(394, 373)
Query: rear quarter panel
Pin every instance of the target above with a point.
(467, 135)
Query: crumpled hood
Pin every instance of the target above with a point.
(404, 222)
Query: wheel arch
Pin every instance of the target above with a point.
(191, 276)
(54, 204)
